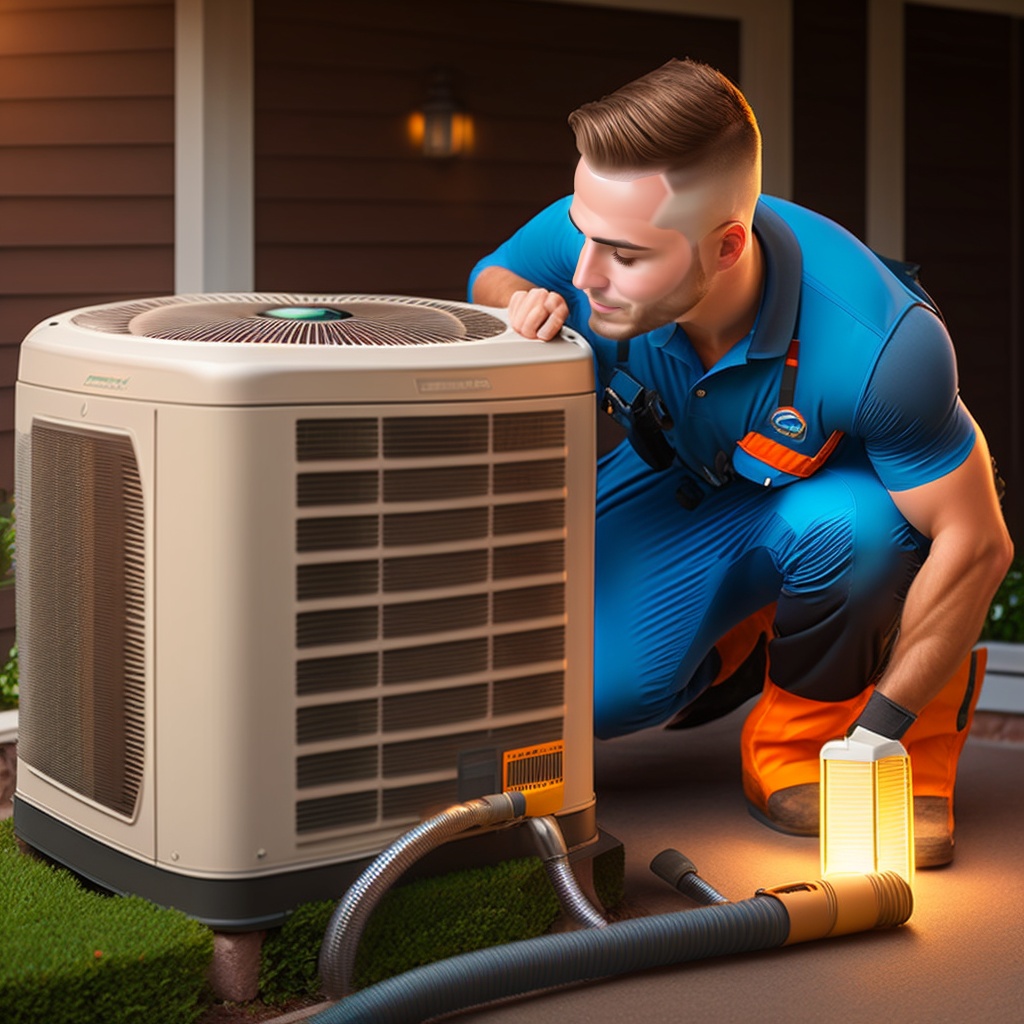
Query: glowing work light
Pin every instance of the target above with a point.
(867, 806)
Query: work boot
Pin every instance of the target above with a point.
(781, 746)
(781, 758)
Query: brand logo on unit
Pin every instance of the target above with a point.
(104, 383)
(456, 384)
(789, 423)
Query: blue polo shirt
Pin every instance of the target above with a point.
(875, 360)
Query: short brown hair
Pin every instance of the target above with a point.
(680, 115)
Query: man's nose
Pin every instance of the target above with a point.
(588, 270)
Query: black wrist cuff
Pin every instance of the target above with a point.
(885, 717)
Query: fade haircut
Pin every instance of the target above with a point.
(680, 116)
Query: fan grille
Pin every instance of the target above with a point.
(284, 319)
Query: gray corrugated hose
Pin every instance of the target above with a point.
(550, 843)
(776, 917)
(338, 949)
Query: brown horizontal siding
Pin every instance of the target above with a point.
(21, 6)
(8, 362)
(830, 109)
(87, 170)
(511, 136)
(348, 222)
(56, 76)
(81, 270)
(343, 200)
(963, 182)
(466, 27)
(50, 220)
(426, 269)
(398, 183)
(86, 166)
(107, 120)
(91, 27)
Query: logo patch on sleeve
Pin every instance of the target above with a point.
(789, 423)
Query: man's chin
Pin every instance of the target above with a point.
(622, 330)
(608, 328)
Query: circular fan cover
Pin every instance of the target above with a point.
(264, 319)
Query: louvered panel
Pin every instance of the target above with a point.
(441, 502)
(82, 720)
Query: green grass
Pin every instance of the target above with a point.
(73, 955)
(428, 920)
(415, 924)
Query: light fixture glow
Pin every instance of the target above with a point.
(441, 129)
(867, 806)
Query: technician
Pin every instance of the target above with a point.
(798, 465)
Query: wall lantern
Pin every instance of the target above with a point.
(441, 129)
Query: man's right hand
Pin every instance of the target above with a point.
(537, 313)
(532, 312)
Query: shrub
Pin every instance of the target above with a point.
(74, 956)
(1005, 619)
(6, 539)
(9, 681)
(9, 672)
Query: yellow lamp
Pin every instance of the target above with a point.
(867, 806)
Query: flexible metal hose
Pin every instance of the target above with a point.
(787, 914)
(338, 949)
(550, 844)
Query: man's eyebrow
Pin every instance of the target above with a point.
(615, 243)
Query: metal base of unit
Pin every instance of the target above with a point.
(253, 903)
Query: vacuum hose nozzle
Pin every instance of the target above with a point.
(681, 873)
(844, 903)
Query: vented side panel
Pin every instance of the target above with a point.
(432, 606)
(81, 637)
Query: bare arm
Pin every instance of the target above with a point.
(533, 312)
(946, 605)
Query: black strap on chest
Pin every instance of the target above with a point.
(787, 387)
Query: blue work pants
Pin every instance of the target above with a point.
(832, 551)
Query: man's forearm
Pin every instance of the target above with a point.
(494, 286)
(942, 617)
(946, 604)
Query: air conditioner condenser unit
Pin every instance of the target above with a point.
(294, 573)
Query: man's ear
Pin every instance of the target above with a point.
(731, 243)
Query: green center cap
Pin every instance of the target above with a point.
(315, 314)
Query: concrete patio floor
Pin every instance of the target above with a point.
(959, 958)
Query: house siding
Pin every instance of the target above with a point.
(86, 170)
(965, 210)
(345, 203)
(830, 109)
